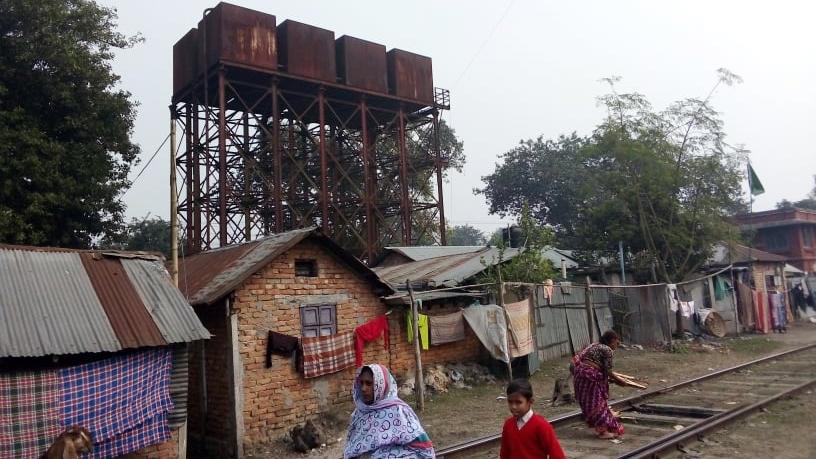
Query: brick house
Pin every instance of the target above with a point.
(297, 283)
(790, 233)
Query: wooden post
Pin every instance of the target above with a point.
(589, 313)
(734, 301)
(508, 326)
(419, 380)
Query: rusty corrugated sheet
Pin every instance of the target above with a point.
(48, 306)
(171, 312)
(133, 325)
(410, 76)
(362, 64)
(240, 36)
(197, 271)
(185, 61)
(307, 51)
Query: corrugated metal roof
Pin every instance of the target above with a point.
(424, 252)
(133, 325)
(171, 312)
(446, 271)
(48, 306)
(726, 254)
(52, 304)
(208, 276)
(419, 253)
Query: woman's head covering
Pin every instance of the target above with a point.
(385, 389)
(387, 427)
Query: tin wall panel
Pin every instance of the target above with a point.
(233, 34)
(31, 284)
(552, 340)
(307, 51)
(410, 76)
(185, 61)
(362, 64)
(179, 378)
(133, 325)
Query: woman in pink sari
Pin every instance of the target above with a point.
(592, 370)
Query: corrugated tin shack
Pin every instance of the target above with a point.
(96, 339)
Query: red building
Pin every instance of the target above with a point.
(790, 233)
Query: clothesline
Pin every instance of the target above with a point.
(666, 283)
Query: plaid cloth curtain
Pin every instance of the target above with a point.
(123, 401)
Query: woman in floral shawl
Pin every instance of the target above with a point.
(382, 425)
(592, 370)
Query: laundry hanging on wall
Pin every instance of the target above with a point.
(123, 401)
(519, 315)
(280, 344)
(447, 328)
(369, 331)
(490, 326)
(423, 330)
(322, 355)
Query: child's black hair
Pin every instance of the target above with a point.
(367, 370)
(520, 386)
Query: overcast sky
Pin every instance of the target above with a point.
(519, 69)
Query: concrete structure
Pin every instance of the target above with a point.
(790, 233)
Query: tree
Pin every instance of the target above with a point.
(662, 182)
(465, 235)
(529, 265)
(65, 148)
(809, 202)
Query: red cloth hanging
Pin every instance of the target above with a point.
(369, 331)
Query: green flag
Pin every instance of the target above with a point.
(753, 182)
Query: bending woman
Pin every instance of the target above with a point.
(382, 425)
(591, 369)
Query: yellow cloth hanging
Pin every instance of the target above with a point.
(423, 331)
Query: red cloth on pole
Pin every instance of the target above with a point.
(369, 331)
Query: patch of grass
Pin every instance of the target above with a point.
(754, 345)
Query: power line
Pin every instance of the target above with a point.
(145, 166)
(484, 43)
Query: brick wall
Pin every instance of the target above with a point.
(277, 398)
(219, 412)
(166, 450)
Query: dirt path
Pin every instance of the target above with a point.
(463, 414)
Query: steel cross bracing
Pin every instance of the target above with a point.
(265, 156)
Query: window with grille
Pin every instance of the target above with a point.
(808, 235)
(318, 320)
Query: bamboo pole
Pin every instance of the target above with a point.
(419, 380)
(174, 267)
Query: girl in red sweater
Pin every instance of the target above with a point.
(527, 435)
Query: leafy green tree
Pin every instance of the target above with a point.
(529, 265)
(663, 182)
(465, 235)
(65, 148)
(809, 202)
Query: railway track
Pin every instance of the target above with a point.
(660, 420)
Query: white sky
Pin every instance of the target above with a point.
(537, 74)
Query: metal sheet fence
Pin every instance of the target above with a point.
(638, 315)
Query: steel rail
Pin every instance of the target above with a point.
(674, 439)
(487, 441)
